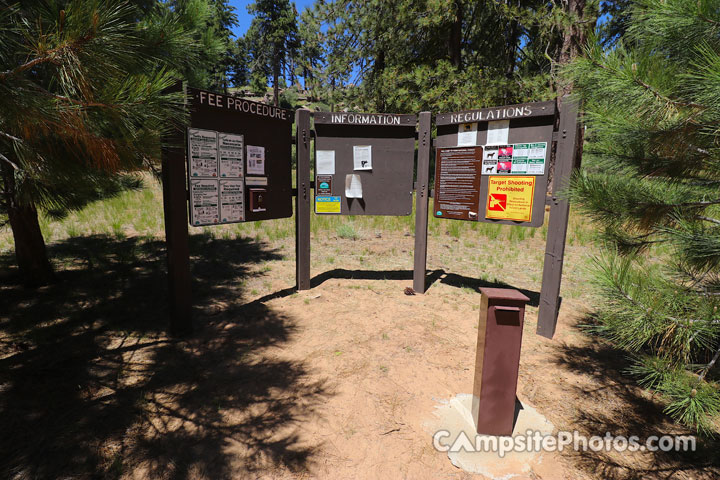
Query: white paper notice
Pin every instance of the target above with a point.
(353, 186)
(256, 181)
(255, 160)
(202, 150)
(467, 134)
(362, 157)
(231, 155)
(325, 162)
(232, 201)
(498, 132)
(204, 202)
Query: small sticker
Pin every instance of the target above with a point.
(323, 185)
(327, 204)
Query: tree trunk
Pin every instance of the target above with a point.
(30, 252)
(276, 80)
(573, 40)
(455, 39)
(379, 69)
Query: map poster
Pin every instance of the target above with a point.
(204, 202)
(231, 155)
(202, 153)
(232, 200)
(510, 198)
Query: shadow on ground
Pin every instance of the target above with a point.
(91, 386)
(439, 275)
(634, 412)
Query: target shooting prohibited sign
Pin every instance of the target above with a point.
(510, 198)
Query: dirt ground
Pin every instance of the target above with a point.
(333, 382)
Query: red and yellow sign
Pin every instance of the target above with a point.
(510, 198)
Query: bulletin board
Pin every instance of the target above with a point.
(492, 164)
(364, 163)
(239, 160)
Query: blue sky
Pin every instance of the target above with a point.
(244, 18)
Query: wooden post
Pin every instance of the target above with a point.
(559, 213)
(302, 201)
(421, 201)
(176, 232)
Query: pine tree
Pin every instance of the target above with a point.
(83, 107)
(411, 55)
(309, 49)
(271, 39)
(653, 108)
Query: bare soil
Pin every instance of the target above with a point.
(333, 382)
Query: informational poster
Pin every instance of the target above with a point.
(328, 204)
(518, 158)
(362, 157)
(510, 198)
(232, 201)
(536, 158)
(325, 162)
(323, 185)
(204, 201)
(467, 134)
(217, 177)
(498, 132)
(457, 188)
(255, 160)
(202, 152)
(231, 155)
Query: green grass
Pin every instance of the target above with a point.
(140, 213)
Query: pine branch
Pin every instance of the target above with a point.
(49, 56)
(11, 137)
(4, 158)
(710, 365)
(649, 88)
(708, 219)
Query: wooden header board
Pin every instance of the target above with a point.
(239, 159)
(364, 163)
(492, 164)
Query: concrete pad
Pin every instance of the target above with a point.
(454, 419)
